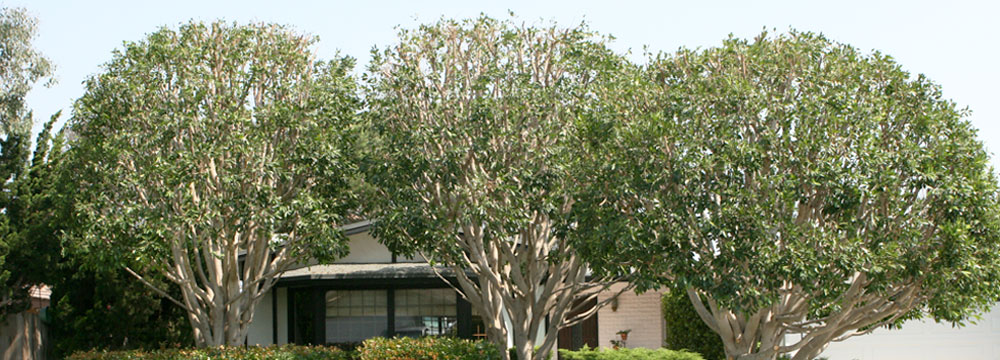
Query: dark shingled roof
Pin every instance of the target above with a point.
(365, 271)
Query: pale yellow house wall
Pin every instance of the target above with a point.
(640, 313)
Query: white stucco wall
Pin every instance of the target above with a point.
(260, 332)
(282, 316)
(366, 250)
(641, 313)
(925, 340)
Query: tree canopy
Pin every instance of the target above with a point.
(476, 126)
(216, 155)
(797, 190)
(795, 185)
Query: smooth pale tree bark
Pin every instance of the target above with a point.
(508, 273)
(801, 192)
(217, 157)
(764, 334)
(476, 128)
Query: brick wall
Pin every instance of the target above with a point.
(641, 313)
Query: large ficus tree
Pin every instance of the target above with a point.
(216, 155)
(802, 192)
(475, 122)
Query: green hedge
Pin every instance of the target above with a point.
(285, 352)
(427, 348)
(686, 330)
(628, 354)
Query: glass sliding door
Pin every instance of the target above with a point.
(355, 315)
(426, 312)
(348, 317)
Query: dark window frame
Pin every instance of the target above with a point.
(318, 288)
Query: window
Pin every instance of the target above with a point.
(426, 312)
(355, 315)
(478, 326)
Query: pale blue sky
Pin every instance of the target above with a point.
(955, 43)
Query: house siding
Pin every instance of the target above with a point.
(366, 250)
(282, 315)
(260, 329)
(641, 313)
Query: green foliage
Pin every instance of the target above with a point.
(685, 330)
(627, 354)
(426, 348)
(249, 141)
(104, 310)
(495, 143)
(286, 352)
(23, 179)
(512, 353)
(797, 159)
(793, 167)
(216, 155)
(475, 123)
(35, 211)
(21, 65)
(111, 310)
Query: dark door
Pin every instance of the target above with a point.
(302, 316)
(584, 333)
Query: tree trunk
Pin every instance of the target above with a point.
(757, 356)
(811, 350)
(761, 335)
(517, 281)
(219, 301)
(525, 345)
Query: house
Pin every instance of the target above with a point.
(373, 292)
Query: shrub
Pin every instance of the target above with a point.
(110, 310)
(686, 331)
(429, 348)
(285, 352)
(628, 354)
(512, 353)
